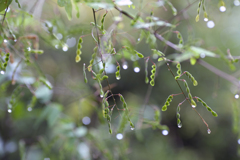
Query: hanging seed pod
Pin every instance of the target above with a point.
(207, 107)
(79, 52)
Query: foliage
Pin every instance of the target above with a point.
(50, 113)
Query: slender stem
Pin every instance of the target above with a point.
(220, 73)
(99, 50)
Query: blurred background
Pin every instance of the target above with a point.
(66, 122)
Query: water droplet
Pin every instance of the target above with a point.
(179, 125)
(65, 48)
(9, 111)
(101, 95)
(2, 72)
(5, 41)
(202, 55)
(86, 120)
(15, 40)
(29, 109)
(222, 9)
(118, 78)
(205, 19)
(56, 46)
(132, 128)
(59, 36)
(138, 39)
(136, 69)
(125, 65)
(193, 106)
(164, 132)
(155, 56)
(210, 24)
(208, 131)
(29, 49)
(8, 9)
(238, 141)
(236, 96)
(119, 136)
(236, 2)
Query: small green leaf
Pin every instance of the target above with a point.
(193, 61)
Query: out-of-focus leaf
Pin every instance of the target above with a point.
(44, 94)
(123, 2)
(68, 9)
(106, 4)
(193, 52)
(51, 113)
(4, 4)
(157, 23)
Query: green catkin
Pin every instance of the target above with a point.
(139, 54)
(6, 61)
(146, 72)
(167, 103)
(207, 107)
(153, 71)
(102, 22)
(117, 73)
(126, 112)
(193, 103)
(179, 36)
(79, 52)
(174, 10)
(179, 71)
(189, 75)
(198, 10)
(84, 74)
(93, 57)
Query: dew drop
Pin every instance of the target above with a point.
(56, 46)
(101, 95)
(2, 72)
(86, 120)
(29, 109)
(205, 19)
(179, 125)
(132, 128)
(15, 40)
(238, 141)
(222, 9)
(193, 106)
(138, 39)
(236, 96)
(164, 132)
(136, 69)
(208, 131)
(125, 66)
(236, 2)
(9, 111)
(29, 49)
(118, 78)
(202, 55)
(65, 48)
(5, 41)
(210, 24)
(119, 136)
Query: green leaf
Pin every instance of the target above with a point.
(4, 4)
(19, 6)
(193, 61)
(68, 9)
(62, 3)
